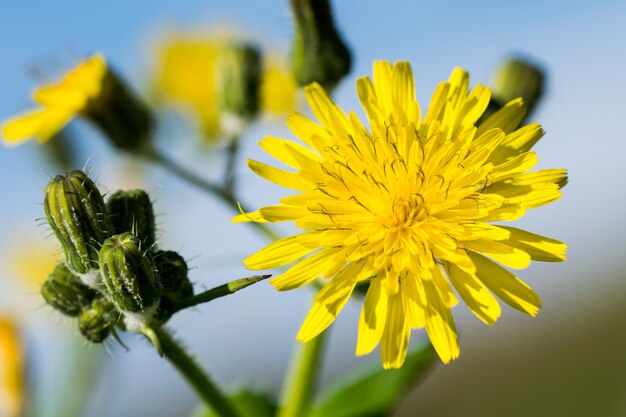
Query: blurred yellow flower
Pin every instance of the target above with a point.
(187, 76)
(31, 262)
(12, 372)
(407, 205)
(59, 102)
(278, 88)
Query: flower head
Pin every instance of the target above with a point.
(91, 90)
(190, 74)
(60, 102)
(408, 205)
(186, 75)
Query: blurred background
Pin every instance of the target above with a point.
(567, 361)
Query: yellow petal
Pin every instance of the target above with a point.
(507, 118)
(403, 90)
(306, 270)
(517, 142)
(277, 254)
(373, 318)
(506, 255)
(326, 111)
(443, 287)
(253, 216)
(540, 248)
(41, 124)
(514, 166)
(281, 213)
(440, 325)
(475, 295)
(288, 152)
(506, 286)
(395, 338)
(279, 176)
(328, 303)
(60, 95)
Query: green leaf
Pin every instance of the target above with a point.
(248, 403)
(376, 392)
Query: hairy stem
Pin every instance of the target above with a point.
(194, 374)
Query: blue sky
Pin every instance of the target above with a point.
(580, 43)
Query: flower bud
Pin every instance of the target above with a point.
(319, 53)
(76, 213)
(518, 78)
(65, 292)
(238, 81)
(172, 271)
(131, 211)
(124, 119)
(96, 323)
(128, 274)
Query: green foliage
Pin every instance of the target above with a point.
(247, 403)
(374, 393)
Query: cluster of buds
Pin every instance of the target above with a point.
(113, 274)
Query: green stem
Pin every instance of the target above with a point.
(217, 292)
(223, 193)
(193, 373)
(302, 378)
(229, 172)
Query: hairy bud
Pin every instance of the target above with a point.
(96, 322)
(76, 213)
(65, 292)
(131, 211)
(128, 274)
(172, 271)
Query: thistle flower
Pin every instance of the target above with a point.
(407, 205)
(92, 90)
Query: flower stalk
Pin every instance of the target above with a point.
(188, 367)
(223, 193)
(302, 378)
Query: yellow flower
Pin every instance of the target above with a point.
(278, 88)
(59, 102)
(408, 205)
(12, 384)
(187, 76)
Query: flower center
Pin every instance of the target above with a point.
(406, 211)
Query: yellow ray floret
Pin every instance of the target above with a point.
(406, 205)
(60, 103)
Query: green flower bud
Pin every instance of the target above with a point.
(76, 213)
(124, 119)
(128, 274)
(319, 53)
(96, 323)
(238, 80)
(65, 292)
(172, 271)
(517, 78)
(131, 211)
